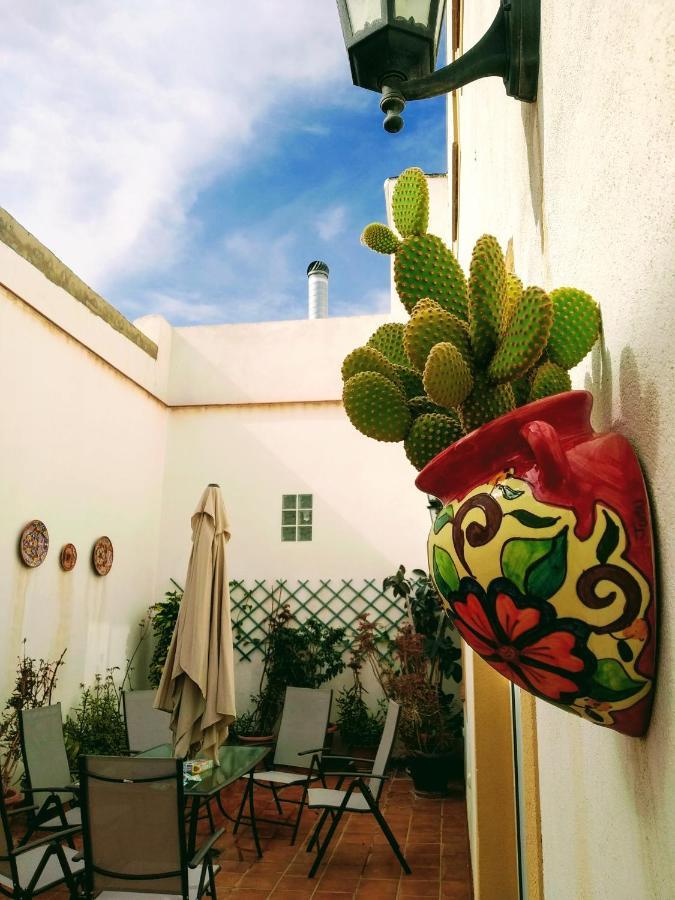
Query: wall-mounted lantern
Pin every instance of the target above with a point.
(392, 46)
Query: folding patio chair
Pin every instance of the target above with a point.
(361, 796)
(147, 727)
(302, 733)
(49, 784)
(134, 831)
(38, 866)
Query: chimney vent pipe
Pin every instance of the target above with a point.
(317, 287)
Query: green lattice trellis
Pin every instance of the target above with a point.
(335, 604)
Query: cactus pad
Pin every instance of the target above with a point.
(522, 386)
(485, 402)
(410, 380)
(388, 339)
(424, 267)
(429, 325)
(487, 296)
(549, 379)
(430, 434)
(368, 359)
(514, 291)
(376, 407)
(422, 404)
(410, 203)
(380, 238)
(447, 377)
(576, 325)
(525, 337)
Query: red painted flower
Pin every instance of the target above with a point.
(523, 639)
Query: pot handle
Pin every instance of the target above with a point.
(549, 455)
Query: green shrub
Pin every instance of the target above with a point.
(96, 726)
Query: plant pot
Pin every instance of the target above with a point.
(255, 738)
(12, 797)
(543, 556)
(431, 772)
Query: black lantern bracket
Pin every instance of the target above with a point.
(509, 48)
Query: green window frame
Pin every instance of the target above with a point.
(297, 517)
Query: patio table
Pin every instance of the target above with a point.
(235, 762)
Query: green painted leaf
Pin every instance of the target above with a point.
(609, 540)
(545, 577)
(520, 555)
(625, 651)
(445, 573)
(612, 682)
(531, 520)
(447, 514)
(509, 493)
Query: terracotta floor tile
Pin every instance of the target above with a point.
(338, 880)
(456, 890)
(294, 885)
(259, 881)
(332, 895)
(412, 890)
(246, 894)
(377, 889)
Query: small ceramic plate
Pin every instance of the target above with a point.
(68, 557)
(34, 543)
(102, 556)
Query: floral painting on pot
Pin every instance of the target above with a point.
(543, 557)
(543, 551)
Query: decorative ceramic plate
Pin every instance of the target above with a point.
(102, 556)
(34, 543)
(68, 557)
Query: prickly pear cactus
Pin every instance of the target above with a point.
(376, 407)
(429, 435)
(470, 352)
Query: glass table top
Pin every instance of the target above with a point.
(235, 760)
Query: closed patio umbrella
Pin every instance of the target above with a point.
(197, 684)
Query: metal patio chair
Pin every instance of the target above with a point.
(361, 796)
(36, 867)
(147, 727)
(134, 831)
(302, 733)
(49, 784)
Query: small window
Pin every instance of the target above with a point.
(296, 517)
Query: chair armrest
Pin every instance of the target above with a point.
(359, 776)
(62, 789)
(14, 811)
(205, 848)
(49, 839)
(360, 759)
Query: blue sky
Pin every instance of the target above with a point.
(194, 168)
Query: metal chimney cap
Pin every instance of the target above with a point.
(317, 266)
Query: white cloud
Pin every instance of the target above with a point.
(115, 114)
(331, 223)
(187, 310)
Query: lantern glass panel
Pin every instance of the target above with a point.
(363, 13)
(416, 12)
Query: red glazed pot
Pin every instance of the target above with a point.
(543, 556)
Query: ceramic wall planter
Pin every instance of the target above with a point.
(543, 556)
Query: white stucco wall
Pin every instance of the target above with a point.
(97, 437)
(82, 449)
(582, 183)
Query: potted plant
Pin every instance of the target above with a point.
(544, 539)
(307, 655)
(424, 680)
(360, 727)
(34, 685)
(163, 616)
(96, 725)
